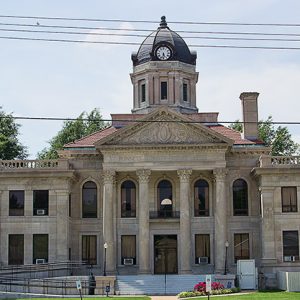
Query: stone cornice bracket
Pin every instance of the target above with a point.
(143, 175)
(220, 174)
(109, 176)
(184, 174)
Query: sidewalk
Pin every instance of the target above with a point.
(164, 297)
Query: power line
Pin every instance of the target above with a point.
(146, 121)
(142, 35)
(138, 44)
(146, 30)
(150, 21)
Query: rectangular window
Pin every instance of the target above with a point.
(128, 249)
(163, 90)
(40, 248)
(289, 199)
(16, 203)
(185, 92)
(16, 249)
(143, 92)
(89, 249)
(40, 202)
(202, 248)
(241, 246)
(290, 241)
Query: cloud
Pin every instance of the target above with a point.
(109, 36)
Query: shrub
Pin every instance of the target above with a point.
(201, 286)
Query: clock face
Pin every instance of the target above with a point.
(163, 53)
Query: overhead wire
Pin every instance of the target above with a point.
(143, 35)
(150, 21)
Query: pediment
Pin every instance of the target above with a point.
(164, 127)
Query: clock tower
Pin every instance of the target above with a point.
(164, 73)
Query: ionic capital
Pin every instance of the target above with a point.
(108, 176)
(184, 174)
(143, 175)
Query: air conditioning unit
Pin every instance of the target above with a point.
(289, 258)
(202, 260)
(40, 212)
(128, 261)
(39, 261)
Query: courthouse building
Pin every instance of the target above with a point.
(165, 188)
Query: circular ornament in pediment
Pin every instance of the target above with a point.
(164, 133)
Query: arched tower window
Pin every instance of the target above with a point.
(89, 200)
(128, 199)
(201, 198)
(240, 197)
(164, 198)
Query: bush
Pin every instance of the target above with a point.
(201, 286)
(216, 291)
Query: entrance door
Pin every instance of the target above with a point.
(165, 254)
(246, 274)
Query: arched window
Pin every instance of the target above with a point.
(240, 198)
(201, 200)
(89, 200)
(128, 199)
(164, 198)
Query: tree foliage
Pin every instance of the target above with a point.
(85, 124)
(279, 139)
(10, 147)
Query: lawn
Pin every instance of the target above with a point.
(89, 298)
(260, 295)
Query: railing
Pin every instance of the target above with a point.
(277, 161)
(164, 214)
(34, 164)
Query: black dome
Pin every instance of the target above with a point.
(163, 36)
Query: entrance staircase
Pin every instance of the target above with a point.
(156, 284)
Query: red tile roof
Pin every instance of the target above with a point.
(91, 139)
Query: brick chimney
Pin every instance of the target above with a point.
(250, 115)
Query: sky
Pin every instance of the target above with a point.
(50, 79)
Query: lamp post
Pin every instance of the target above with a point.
(226, 248)
(104, 266)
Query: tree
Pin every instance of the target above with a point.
(73, 130)
(279, 139)
(10, 147)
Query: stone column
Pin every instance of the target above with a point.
(144, 236)
(108, 220)
(185, 221)
(220, 220)
(267, 226)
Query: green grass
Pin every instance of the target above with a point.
(83, 298)
(260, 295)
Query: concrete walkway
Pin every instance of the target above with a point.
(164, 297)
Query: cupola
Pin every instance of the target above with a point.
(164, 73)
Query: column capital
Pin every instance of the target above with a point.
(108, 176)
(220, 173)
(184, 174)
(143, 175)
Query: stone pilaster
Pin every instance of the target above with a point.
(62, 225)
(108, 219)
(267, 226)
(185, 221)
(144, 236)
(220, 219)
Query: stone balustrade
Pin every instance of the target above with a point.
(277, 161)
(57, 164)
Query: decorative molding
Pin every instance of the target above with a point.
(220, 174)
(143, 175)
(184, 174)
(109, 176)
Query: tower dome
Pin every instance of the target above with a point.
(164, 73)
(164, 44)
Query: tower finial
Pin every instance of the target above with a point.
(163, 23)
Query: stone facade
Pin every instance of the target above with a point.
(169, 156)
